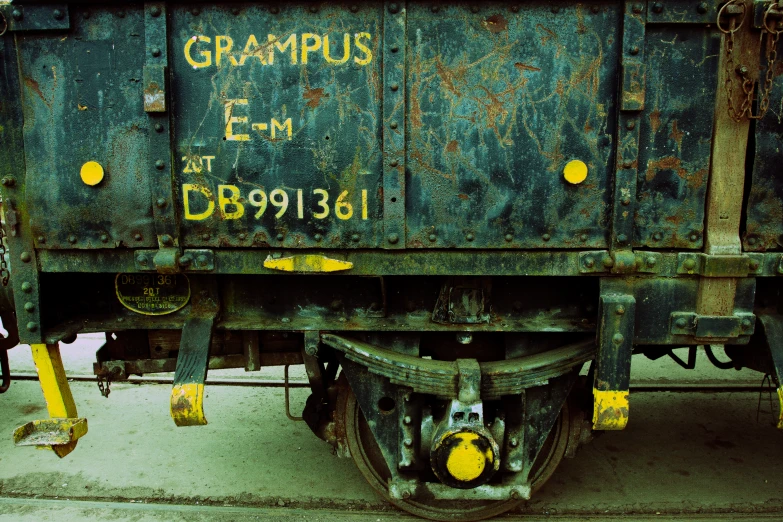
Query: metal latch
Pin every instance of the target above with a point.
(712, 326)
(170, 260)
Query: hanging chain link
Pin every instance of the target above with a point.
(734, 9)
(4, 273)
(104, 389)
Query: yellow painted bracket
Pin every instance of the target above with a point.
(780, 399)
(61, 432)
(307, 263)
(187, 404)
(610, 409)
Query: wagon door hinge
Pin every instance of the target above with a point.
(619, 262)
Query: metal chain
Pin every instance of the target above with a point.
(5, 274)
(105, 390)
(773, 34)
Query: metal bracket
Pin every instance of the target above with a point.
(713, 327)
(714, 265)
(31, 17)
(170, 261)
(682, 12)
(619, 262)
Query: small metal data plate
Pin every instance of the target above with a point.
(152, 294)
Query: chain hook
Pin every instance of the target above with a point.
(733, 25)
(778, 27)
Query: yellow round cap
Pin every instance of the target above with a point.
(466, 461)
(575, 171)
(92, 173)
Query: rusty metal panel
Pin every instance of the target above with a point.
(675, 135)
(278, 124)
(500, 99)
(82, 101)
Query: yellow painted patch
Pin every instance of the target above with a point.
(307, 263)
(780, 398)
(187, 405)
(575, 172)
(92, 173)
(466, 461)
(610, 409)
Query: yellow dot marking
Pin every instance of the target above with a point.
(466, 461)
(575, 171)
(92, 173)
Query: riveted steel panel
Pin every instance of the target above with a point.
(278, 124)
(499, 100)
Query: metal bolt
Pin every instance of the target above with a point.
(104, 238)
(318, 237)
(8, 182)
(618, 338)
(72, 239)
(394, 163)
(469, 236)
(201, 260)
(159, 164)
(583, 237)
(274, 9)
(622, 238)
(394, 8)
(702, 7)
(41, 239)
(167, 240)
(627, 164)
(393, 238)
(746, 323)
(546, 237)
(31, 326)
(634, 50)
(589, 262)
(608, 262)
(657, 7)
(751, 241)
(509, 238)
(160, 202)
(205, 237)
(638, 8)
(137, 237)
(242, 236)
(689, 264)
(17, 15)
(651, 261)
(27, 287)
(394, 86)
(29, 307)
(681, 323)
(408, 443)
(354, 237)
(185, 260)
(195, 11)
(405, 493)
(354, 8)
(742, 70)
(620, 310)
(626, 201)
(657, 236)
(58, 15)
(25, 257)
(158, 127)
(155, 11)
(433, 237)
(393, 125)
(694, 237)
(515, 495)
(142, 259)
(630, 124)
(754, 265)
(313, 9)
(394, 48)
(407, 420)
(285, 320)
(280, 237)
(156, 51)
(513, 442)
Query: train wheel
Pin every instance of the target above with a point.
(367, 456)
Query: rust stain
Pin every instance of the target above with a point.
(655, 120)
(452, 147)
(32, 84)
(676, 134)
(313, 97)
(448, 77)
(496, 24)
(526, 67)
(463, 197)
(695, 180)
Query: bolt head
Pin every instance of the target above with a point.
(31, 326)
(746, 323)
(618, 338)
(8, 182)
(694, 237)
(753, 265)
(394, 8)
(608, 262)
(72, 239)
(470, 237)
(29, 307)
(509, 238)
(752, 241)
(627, 164)
(651, 261)
(474, 9)
(395, 86)
(589, 262)
(434, 8)
(195, 11)
(159, 164)
(354, 237)
(104, 238)
(155, 11)
(393, 125)
(58, 15)
(25, 257)
(280, 237)
(27, 287)
(167, 240)
(702, 7)
(185, 260)
(141, 259)
(274, 10)
(41, 239)
(626, 201)
(160, 202)
(433, 238)
(513, 442)
(235, 11)
(546, 237)
(158, 127)
(622, 238)
(681, 323)
(638, 8)
(156, 52)
(630, 125)
(137, 237)
(620, 310)
(555, 9)
(393, 239)
(657, 7)
(657, 236)
(394, 163)
(205, 237)
(201, 260)
(17, 15)
(689, 264)
(318, 237)
(595, 9)
(407, 420)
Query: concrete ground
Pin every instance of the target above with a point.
(682, 453)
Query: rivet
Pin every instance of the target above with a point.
(313, 9)
(280, 237)
(406, 494)
(195, 11)
(681, 322)
(137, 237)
(141, 259)
(8, 182)
(155, 11)
(167, 240)
(160, 203)
(751, 240)
(622, 238)
(58, 15)
(104, 238)
(393, 125)
(156, 51)
(657, 236)
(627, 164)
(407, 420)
(513, 442)
(27, 287)
(318, 237)
(25, 257)
(394, 48)
(285, 320)
(608, 262)
(185, 260)
(754, 265)
(634, 51)
(159, 164)
(354, 8)
(589, 262)
(41, 239)
(689, 264)
(620, 310)
(583, 237)
(31, 326)
(638, 8)
(17, 14)
(694, 237)
(394, 86)
(158, 127)
(91, 173)
(242, 236)
(393, 238)
(202, 260)
(618, 338)
(746, 323)
(651, 261)
(657, 7)
(205, 237)
(354, 237)
(394, 163)
(433, 238)
(509, 238)
(29, 307)
(626, 201)
(394, 8)
(72, 239)
(408, 443)
(470, 237)
(274, 10)
(630, 124)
